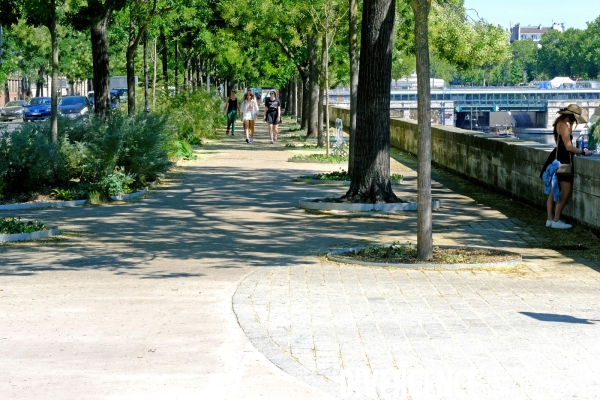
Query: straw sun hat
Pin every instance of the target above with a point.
(576, 111)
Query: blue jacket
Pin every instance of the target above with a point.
(551, 181)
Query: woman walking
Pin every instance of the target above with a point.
(249, 114)
(557, 172)
(231, 109)
(273, 114)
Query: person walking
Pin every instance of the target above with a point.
(273, 114)
(249, 114)
(231, 110)
(557, 171)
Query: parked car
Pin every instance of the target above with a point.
(13, 110)
(114, 98)
(37, 108)
(74, 107)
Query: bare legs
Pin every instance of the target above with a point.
(249, 129)
(273, 130)
(555, 209)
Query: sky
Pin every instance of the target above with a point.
(535, 12)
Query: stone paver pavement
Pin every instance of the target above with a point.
(214, 286)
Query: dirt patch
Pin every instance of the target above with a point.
(40, 195)
(441, 255)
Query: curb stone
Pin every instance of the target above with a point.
(336, 183)
(24, 206)
(309, 203)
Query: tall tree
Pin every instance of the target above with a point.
(39, 13)
(424, 223)
(353, 53)
(95, 16)
(371, 178)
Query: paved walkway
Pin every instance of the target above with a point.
(214, 286)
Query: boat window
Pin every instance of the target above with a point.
(404, 97)
(397, 97)
(412, 97)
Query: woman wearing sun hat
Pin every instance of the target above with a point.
(563, 153)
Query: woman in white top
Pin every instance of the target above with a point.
(249, 115)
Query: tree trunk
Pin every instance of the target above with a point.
(130, 66)
(100, 65)
(39, 90)
(154, 76)
(165, 62)
(371, 178)
(146, 104)
(54, 93)
(305, 103)
(295, 97)
(313, 87)
(176, 67)
(424, 224)
(320, 139)
(353, 49)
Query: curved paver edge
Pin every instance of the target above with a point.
(259, 338)
(332, 255)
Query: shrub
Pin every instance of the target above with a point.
(117, 183)
(145, 146)
(193, 115)
(27, 157)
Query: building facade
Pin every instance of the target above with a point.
(519, 32)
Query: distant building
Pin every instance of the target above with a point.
(518, 32)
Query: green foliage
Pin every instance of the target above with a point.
(11, 225)
(87, 152)
(27, 157)
(182, 149)
(192, 115)
(117, 183)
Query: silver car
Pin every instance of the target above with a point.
(12, 110)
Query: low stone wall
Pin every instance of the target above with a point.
(508, 165)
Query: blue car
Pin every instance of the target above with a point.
(114, 98)
(37, 108)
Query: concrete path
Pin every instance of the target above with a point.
(214, 286)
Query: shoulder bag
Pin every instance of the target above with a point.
(564, 169)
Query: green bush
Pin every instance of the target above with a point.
(193, 115)
(27, 157)
(98, 157)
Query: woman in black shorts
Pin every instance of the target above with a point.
(273, 114)
(563, 135)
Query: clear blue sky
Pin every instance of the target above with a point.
(574, 14)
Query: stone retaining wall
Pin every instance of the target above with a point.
(511, 166)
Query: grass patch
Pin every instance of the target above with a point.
(320, 158)
(341, 175)
(407, 254)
